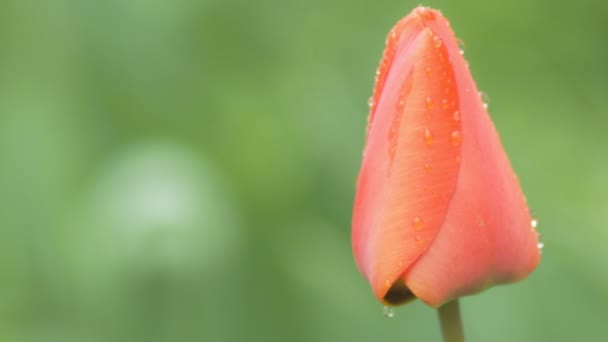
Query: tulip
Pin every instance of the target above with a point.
(439, 212)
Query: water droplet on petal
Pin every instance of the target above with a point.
(428, 137)
(456, 115)
(426, 13)
(418, 223)
(444, 104)
(540, 246)
(388, 312)
(484, 97)
(437, 41)
(534, 223)
(370, 102)
(427, 168)
(429, 102)
(460, 45)
(456, 138)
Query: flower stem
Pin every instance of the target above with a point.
(451, 324)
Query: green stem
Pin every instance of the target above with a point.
(451, 324)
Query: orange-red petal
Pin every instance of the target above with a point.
(437, 204)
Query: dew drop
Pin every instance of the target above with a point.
(427, 168)
(540, 246)
(461, 52)
(460, 45)
(418, 222)
(534, 223)
(444, 104)
(388, 312)
(484, 97)
(429, 102)
(428, 70)
(387, 283)
(418, 239)
(437, 41)
(456, 115)
(370, 102)
(456, 138)
(428, 137)
(426, 14)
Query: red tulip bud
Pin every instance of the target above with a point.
(439, 212)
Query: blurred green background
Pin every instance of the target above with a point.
(182, 170)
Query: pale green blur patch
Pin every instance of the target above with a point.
(157, 203)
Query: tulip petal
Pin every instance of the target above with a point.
(487, 237)
(438, 212)
(411, 159)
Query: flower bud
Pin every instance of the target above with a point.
(439, 212)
